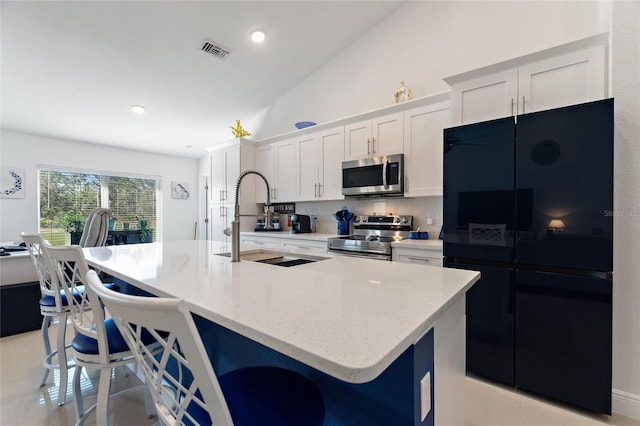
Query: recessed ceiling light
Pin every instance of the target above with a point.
(258, 36)
(138, 109)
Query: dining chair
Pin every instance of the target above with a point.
(97, 344)
(183, 383)
(54, 307)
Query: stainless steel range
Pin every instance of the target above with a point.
(372, 236)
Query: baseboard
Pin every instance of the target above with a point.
(625, 403)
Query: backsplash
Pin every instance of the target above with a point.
(420, 208)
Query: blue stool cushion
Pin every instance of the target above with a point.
(267, 396)
(89, 346)
(50, 301)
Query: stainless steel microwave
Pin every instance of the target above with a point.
(377, 176)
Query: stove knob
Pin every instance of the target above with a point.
(357, 219)
(405, 220)
(364, 218)
(396, 219)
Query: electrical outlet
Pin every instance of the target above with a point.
(425, 396)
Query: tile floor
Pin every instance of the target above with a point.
(22, 402)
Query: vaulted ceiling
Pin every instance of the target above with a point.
(72, 69)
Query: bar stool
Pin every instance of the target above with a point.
(246, 396)
(98, 344)
(54, 307)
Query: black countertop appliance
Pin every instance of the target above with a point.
(300, 224)
(530, 206)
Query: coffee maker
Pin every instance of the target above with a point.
(300, 224)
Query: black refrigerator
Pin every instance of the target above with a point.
(529, 204)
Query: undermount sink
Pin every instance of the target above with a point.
(278, 258)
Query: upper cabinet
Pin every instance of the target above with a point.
(565, 75)
(277, 162)
(285, 183)
(320, 157)
(265, 164)
(374, 138)
(226, 163)
(423, 130)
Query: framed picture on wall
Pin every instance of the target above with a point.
(180, 190)
(12, 183)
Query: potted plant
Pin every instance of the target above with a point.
(145, 232)
(73, 222)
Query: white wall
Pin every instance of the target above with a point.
(27, 151)
(420, 208)
(423, 42)
(626, 279)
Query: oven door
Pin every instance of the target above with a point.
(347, 246)
(374, 176)
(359, 254)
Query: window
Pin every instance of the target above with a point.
(67, 197)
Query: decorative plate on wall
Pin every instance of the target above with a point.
(12, 183)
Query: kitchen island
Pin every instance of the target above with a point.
(384, 341)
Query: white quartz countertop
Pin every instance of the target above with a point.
(286, 234)
(345, 316)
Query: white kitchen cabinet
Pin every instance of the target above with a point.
(308, 160)
(374, 138)
(423, 129)
(225, 169)
(226, 163)
(265, 164)
(277, 162)
(300, 245)
(269, 242)
(485, 98)
(331, 156)
(320, 157)
(569, 79)
(221, 216)
(285, 183)
(430, 256)
(566, 75)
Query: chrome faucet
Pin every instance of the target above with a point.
(235, 223)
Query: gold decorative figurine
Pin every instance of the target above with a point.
(238, 131)
(403, 93)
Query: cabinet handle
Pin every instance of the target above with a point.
(373, 146)
(221, 198)
(303, 247)
(222, 211)
(224, 195)
(523, 104)
(255, 242)
(315, 189)
(368, 147)
(419, 259)
(319, 189)
(511, 106)
(273, 193)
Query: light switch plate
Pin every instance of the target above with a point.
(425, 396)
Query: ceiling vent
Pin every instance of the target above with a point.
(215, 49)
